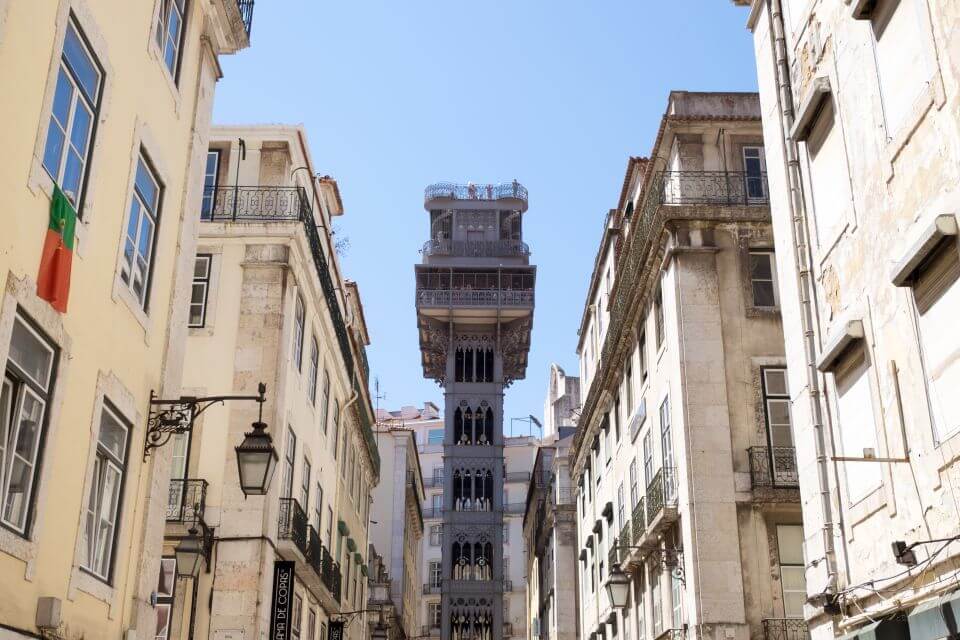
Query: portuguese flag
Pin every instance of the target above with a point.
(53, 281)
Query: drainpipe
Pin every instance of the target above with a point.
(805, 284)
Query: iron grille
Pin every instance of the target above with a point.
(475, 191)
(476, 248)
(292, 524)
(785, 629)
(773, 467)
(714, 187)
(246, 14)
(330, 575)
(186, 500)
(661, 492)
(639, 519)
(254, 204)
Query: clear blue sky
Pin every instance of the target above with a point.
(395, 95)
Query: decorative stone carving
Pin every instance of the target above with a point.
(435, 343)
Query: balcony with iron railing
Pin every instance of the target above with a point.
(714, 188)
(773, 467)
(474, 298)
(186, 501)
(562, 496)
(785, 629)
(639, 519)
(246, 14)
(300, 542)
(476, 248)
(661, 495)
(489, 192)
(292, 524)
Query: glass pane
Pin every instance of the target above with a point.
(168, 574)
(147, 186)
(79, 135)
(113, 435)
(82, 65)
(201, 267)
(30, 353)
(62, 98)
(170, 55)
(763, 294)
(760, 266)
(54, 149)
(197, 294)
(775, 381)
(163, 622)
(790, 544)
(28, 431)
(146, 238)
(72, 175)
(6, 408)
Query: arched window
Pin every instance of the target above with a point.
(488, 426)
(488, 357)
(458, 364)
(457, 426)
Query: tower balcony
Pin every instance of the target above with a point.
(476, 248)
(470, 192)
(475, 295)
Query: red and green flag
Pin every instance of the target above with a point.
(53, 281)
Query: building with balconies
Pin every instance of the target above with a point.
(859, 102)
(550, 540)
(107, 107)
(682, 460)
(270, 304)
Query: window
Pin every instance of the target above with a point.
(647, 458)
(666, 436)
(792, 575)
(657, 603)
(312, 624)
(435, 436)
(640, 609)
(658, 316)
(621, 517)
(295, 615)
(754, 173)
(828, 175)
(288, 464)
(166, 584)
(628, 388)
(776, 400)
(76, 105)
(763, 279)
(170, 33)
(298, 321)
(903, 71)
(139, 242)
(314, 370)
(615, 416)
(318, 509)
(325, 400)
(634, 492)
(436, 573)
(329, 527)
(336, 427)
(436, 535)
(436, 503)
(642, 353)
(434, 613)
(506, 534)
(937, 297)
(103, 504)
(305, 484)
(857, 426)
(210, 177)
(24, 396)
(201, 287)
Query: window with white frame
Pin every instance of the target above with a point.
(289, 461)
(647, 458)
(314, 370)
(435, 436)
(136, 266)
(829, 176)
(298, 329)
(312, 624)
(433, 613)
(436, 573)
(106, 492)
(325, 399)
(754, 173)
(436, 535)
(902, 58)
(763, 279)
(170, 33)
(656, 602)
(776, 401)
(75, 108)
(329, 527)
(937, 298)
(336, 427)
(666, 434)
(318, 508)
(640, 608)
(792, 569)
(296, 613)
(305, 484)
(200, 290)
(210, 177)
(24, 398)
(621, 516)
(165, 595)
(855, 418)
(634, 490)
(658, 315)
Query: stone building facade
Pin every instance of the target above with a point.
(474, 298)
(396, 522)
(550, 541)
(270, 304)
(860, 102)
(683, 460)
(101, 107)
(561, 408)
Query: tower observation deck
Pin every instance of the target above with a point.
(475, 298)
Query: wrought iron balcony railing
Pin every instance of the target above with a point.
(518, 476)
(254, 204)
(562, 495)
(474, 298)
(773, 467)
(292, 524)
(661, 492)
(455, 191)
(714, 187)
(429, 588)
(625, 537)
(246, 14)
(639, 519)
(476, 248)
(785, 629)
(330, 575)
(186, 500)
(433, 481)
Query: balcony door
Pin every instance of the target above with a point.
(178, 476)
(211, 171)
(776, 399)
(754, 173)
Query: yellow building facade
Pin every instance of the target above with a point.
(270, 304)
(110, 101)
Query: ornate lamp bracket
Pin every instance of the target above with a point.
(171, 417)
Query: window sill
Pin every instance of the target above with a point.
(169, 81)
(762, 312)
(122, 293)
(23, 549)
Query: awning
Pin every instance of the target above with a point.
(935, 619)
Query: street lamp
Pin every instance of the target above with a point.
(256, 460)
(189, 554)
(618, 587)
